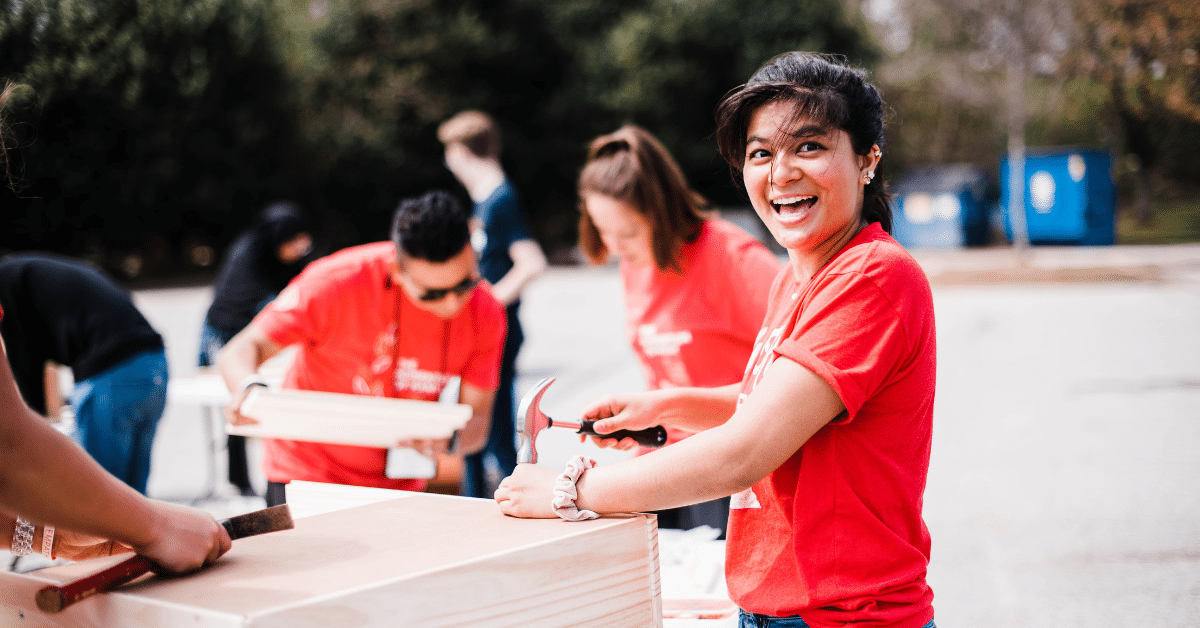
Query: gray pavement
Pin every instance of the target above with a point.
(1064, 488)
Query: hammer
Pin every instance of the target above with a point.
(533, 421)
(53, 599)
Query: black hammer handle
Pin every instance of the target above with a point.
(653, 437)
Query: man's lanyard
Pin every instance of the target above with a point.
(396, 318)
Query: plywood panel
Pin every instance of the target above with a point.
(347, 419)
(423, 560)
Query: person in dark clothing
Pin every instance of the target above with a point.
(259, 263)
(48, 482)
(66, 311)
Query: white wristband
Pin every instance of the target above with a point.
(22, 539)
(566, 492)
(48, 542)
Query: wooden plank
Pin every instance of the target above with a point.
(423, 560)
(306, 499)
(347, 419)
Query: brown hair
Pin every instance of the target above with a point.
(474, 129)
(823, 89)
(631, 166)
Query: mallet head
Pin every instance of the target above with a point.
(531, 420)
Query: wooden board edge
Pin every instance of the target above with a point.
(318, 612)
(655, 566)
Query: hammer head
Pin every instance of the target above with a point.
(531, 420)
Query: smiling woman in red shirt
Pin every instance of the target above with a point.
(825, 443)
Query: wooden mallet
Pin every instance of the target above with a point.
(53, 599)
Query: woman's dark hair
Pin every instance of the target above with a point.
(633, 167)
(277, 224)
(281, 221)
(825, 91)
(431, 227)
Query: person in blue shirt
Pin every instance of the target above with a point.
(509, 258)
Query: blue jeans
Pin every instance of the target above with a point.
(117, 413)
(502, 435)
(754, 620)
(212, 339)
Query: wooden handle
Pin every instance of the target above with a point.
(53, 599)
(651, 437)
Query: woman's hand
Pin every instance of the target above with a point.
(527, 493)
(78, 546)
(635, 411)
(183, 539)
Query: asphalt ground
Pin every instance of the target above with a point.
(1064, 488)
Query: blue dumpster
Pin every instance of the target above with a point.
(1070, 197)
(941, 206)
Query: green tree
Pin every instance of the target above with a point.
(666, 64)
(150, 121)
(1147, 55)
(1124, 74)
(553, 73)
(393, 71)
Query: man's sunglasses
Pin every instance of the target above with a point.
(437, 294)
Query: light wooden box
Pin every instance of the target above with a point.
(419, 560)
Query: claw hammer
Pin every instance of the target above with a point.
(532, 421)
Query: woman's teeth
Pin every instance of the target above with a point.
(793, 203)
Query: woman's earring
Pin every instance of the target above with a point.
(877, 153)
(870, 174)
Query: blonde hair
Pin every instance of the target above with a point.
(474, 129)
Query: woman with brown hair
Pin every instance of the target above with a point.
(695, 286)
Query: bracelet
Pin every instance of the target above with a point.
(48, 542)
(565, 491)
(253, 379)
(22, 539)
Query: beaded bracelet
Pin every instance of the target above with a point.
(565, 491)
(22, 539)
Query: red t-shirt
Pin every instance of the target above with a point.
(697, 327)
(351, 325)
(835, 533)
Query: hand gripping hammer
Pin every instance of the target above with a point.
(531, 421)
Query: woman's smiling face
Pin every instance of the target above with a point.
(804, 180)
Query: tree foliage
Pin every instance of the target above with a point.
(149, 123)
(1146, 53)
(146, 122)
(1121, 74)
(554, 75)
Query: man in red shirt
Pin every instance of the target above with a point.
(389, 319)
